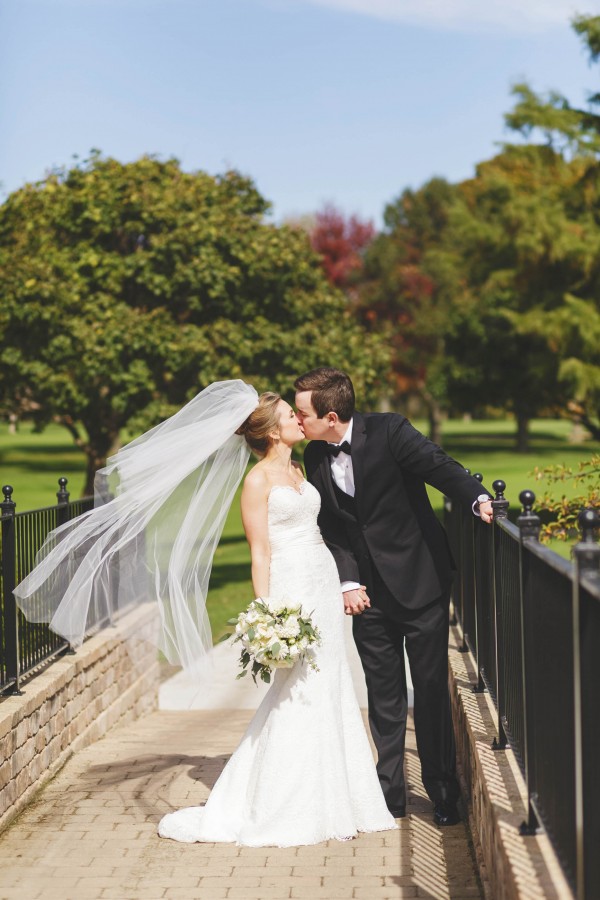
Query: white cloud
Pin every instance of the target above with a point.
(508, 15)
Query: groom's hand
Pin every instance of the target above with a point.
(486, 511)
(356, 601)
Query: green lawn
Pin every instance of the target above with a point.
(32, 464)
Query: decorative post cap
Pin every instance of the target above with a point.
(500, 504)
(8, 504)
(527, 499)
(587, 551)
(588, 520)
(62, 494)
(529, 523)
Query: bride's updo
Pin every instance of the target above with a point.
(261, 423)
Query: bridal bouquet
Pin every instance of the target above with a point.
(274, 635)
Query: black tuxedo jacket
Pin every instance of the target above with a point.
(394, 527)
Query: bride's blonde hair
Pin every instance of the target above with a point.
(261, 423)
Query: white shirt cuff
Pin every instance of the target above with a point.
(349, 586)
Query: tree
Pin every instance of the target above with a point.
(406, 292)
(128, 288)
(572, 330)
(564, 127)
(341, 243)
(524, 242)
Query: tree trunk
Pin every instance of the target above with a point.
(96, 457)
(434, 414)
(522, 433)
(101, 443)
(94, 461)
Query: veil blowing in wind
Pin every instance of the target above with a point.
(154, 541)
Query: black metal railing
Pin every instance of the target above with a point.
(24, 645)
(532, 623)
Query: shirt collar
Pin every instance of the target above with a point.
(347, 436)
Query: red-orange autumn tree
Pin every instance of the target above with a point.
(341, 242)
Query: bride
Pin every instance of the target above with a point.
(303, 772)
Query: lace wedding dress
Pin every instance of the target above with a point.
(303, 772)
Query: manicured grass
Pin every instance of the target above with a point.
(32, 463)
(488, 447)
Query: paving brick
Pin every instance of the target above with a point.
(96, 824)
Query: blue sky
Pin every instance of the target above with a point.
(347, 101)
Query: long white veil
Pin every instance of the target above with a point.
(154, 541)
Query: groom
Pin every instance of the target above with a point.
(395, 567)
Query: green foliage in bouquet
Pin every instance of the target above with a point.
(274, 635)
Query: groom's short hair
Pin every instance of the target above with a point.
(332, 391)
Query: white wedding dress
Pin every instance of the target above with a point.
(303, 772)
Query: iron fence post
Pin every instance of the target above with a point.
(529, 531)
(62, 516)
(448, 527)
(500, 508)
(62, 496)
(461, 573)
(586, 557)
(9, 576)
(478, 688)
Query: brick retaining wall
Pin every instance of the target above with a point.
(72, 703)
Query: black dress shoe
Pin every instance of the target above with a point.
(399, 813)
(445, 813)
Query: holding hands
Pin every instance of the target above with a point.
(356, 601)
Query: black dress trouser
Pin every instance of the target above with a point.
(380, 633)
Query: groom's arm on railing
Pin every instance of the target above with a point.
(420, 456)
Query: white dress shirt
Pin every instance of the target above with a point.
(341, 466)
(343, 475)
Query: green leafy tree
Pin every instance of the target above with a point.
(525, 241)
(128, 288)
(407, 292)
(572, 330)
(566, 128)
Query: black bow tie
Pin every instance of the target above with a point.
(335, 449)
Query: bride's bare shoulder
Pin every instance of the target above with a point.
(257, 480)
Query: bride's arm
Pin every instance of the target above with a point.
(254, 519)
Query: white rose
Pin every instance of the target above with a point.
(276, 606)
(291, 627)
(265, 633)
(252, 616)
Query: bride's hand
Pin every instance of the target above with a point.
(356, 601)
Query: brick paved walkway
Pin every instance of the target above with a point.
(91, 833)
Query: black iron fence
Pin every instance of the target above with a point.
(532, 623)
(25, 646)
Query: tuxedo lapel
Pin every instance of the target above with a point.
(324, 476)
(324, 480)
(359, 440)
